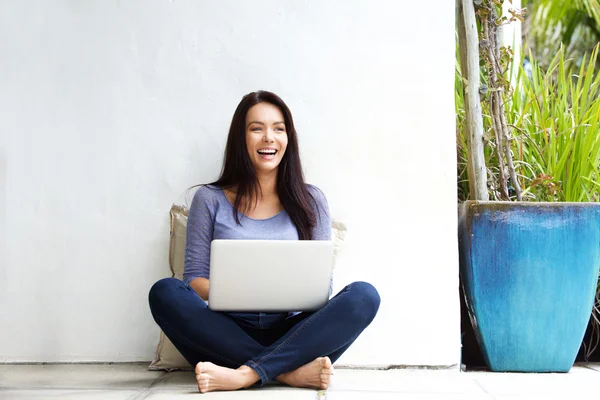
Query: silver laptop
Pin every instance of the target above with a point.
(269, 275)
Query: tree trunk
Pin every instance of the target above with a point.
(469, 60)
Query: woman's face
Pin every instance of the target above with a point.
(265, 132)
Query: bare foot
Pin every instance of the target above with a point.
(212, 377)
(315, 375)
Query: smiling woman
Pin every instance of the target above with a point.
(261, 185)
(266, 138)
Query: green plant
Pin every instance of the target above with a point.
(574, 24)
(541, 139)
(555, 120)
(557, 116)
(554, 115)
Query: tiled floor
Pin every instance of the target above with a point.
(135, 382)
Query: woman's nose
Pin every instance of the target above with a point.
(268, 135)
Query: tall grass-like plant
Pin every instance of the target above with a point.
(554, 115)
(556, 118)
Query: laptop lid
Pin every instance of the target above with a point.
(269, 275)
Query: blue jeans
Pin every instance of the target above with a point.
(271, 344)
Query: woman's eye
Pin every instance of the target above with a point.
(279, 129)
(255, 129)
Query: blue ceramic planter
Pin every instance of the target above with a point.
(529, 272)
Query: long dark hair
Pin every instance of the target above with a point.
(238, 168)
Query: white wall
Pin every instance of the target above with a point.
(109, 110)
(511, 36)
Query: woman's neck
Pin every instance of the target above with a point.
(268, 184)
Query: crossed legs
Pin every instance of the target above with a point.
(228, 358)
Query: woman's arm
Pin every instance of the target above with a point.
(200, 228)
(322, 229)
(200, 285)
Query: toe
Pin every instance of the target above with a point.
(326, 362)
(203, 385)
(201, 377)
(201, 367)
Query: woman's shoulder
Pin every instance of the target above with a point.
(316, 192)
(320, 201)
(206, 194)
(313, 188)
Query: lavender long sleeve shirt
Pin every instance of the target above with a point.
(211, 217)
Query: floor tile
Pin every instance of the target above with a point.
(548, 385)
(70, 376)
(363, 395)
(68, 394)
(176, 380)
(404, 381)
(594, 366)
(581, 369)
(559, 396)
(183, 382)
(265, 393)
(135, 382)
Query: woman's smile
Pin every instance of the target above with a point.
(267, 153)
(266, 136)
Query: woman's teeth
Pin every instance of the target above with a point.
(267, 154)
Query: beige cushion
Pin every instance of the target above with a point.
(167, 356)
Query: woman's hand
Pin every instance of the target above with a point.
(200, 285)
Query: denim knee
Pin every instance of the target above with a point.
(368, 297)
(161, 291)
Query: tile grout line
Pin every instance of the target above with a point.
(482, 388)
(96, 388)
(150, 389)
(142, 394)
(147, 391)
(158, 380)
